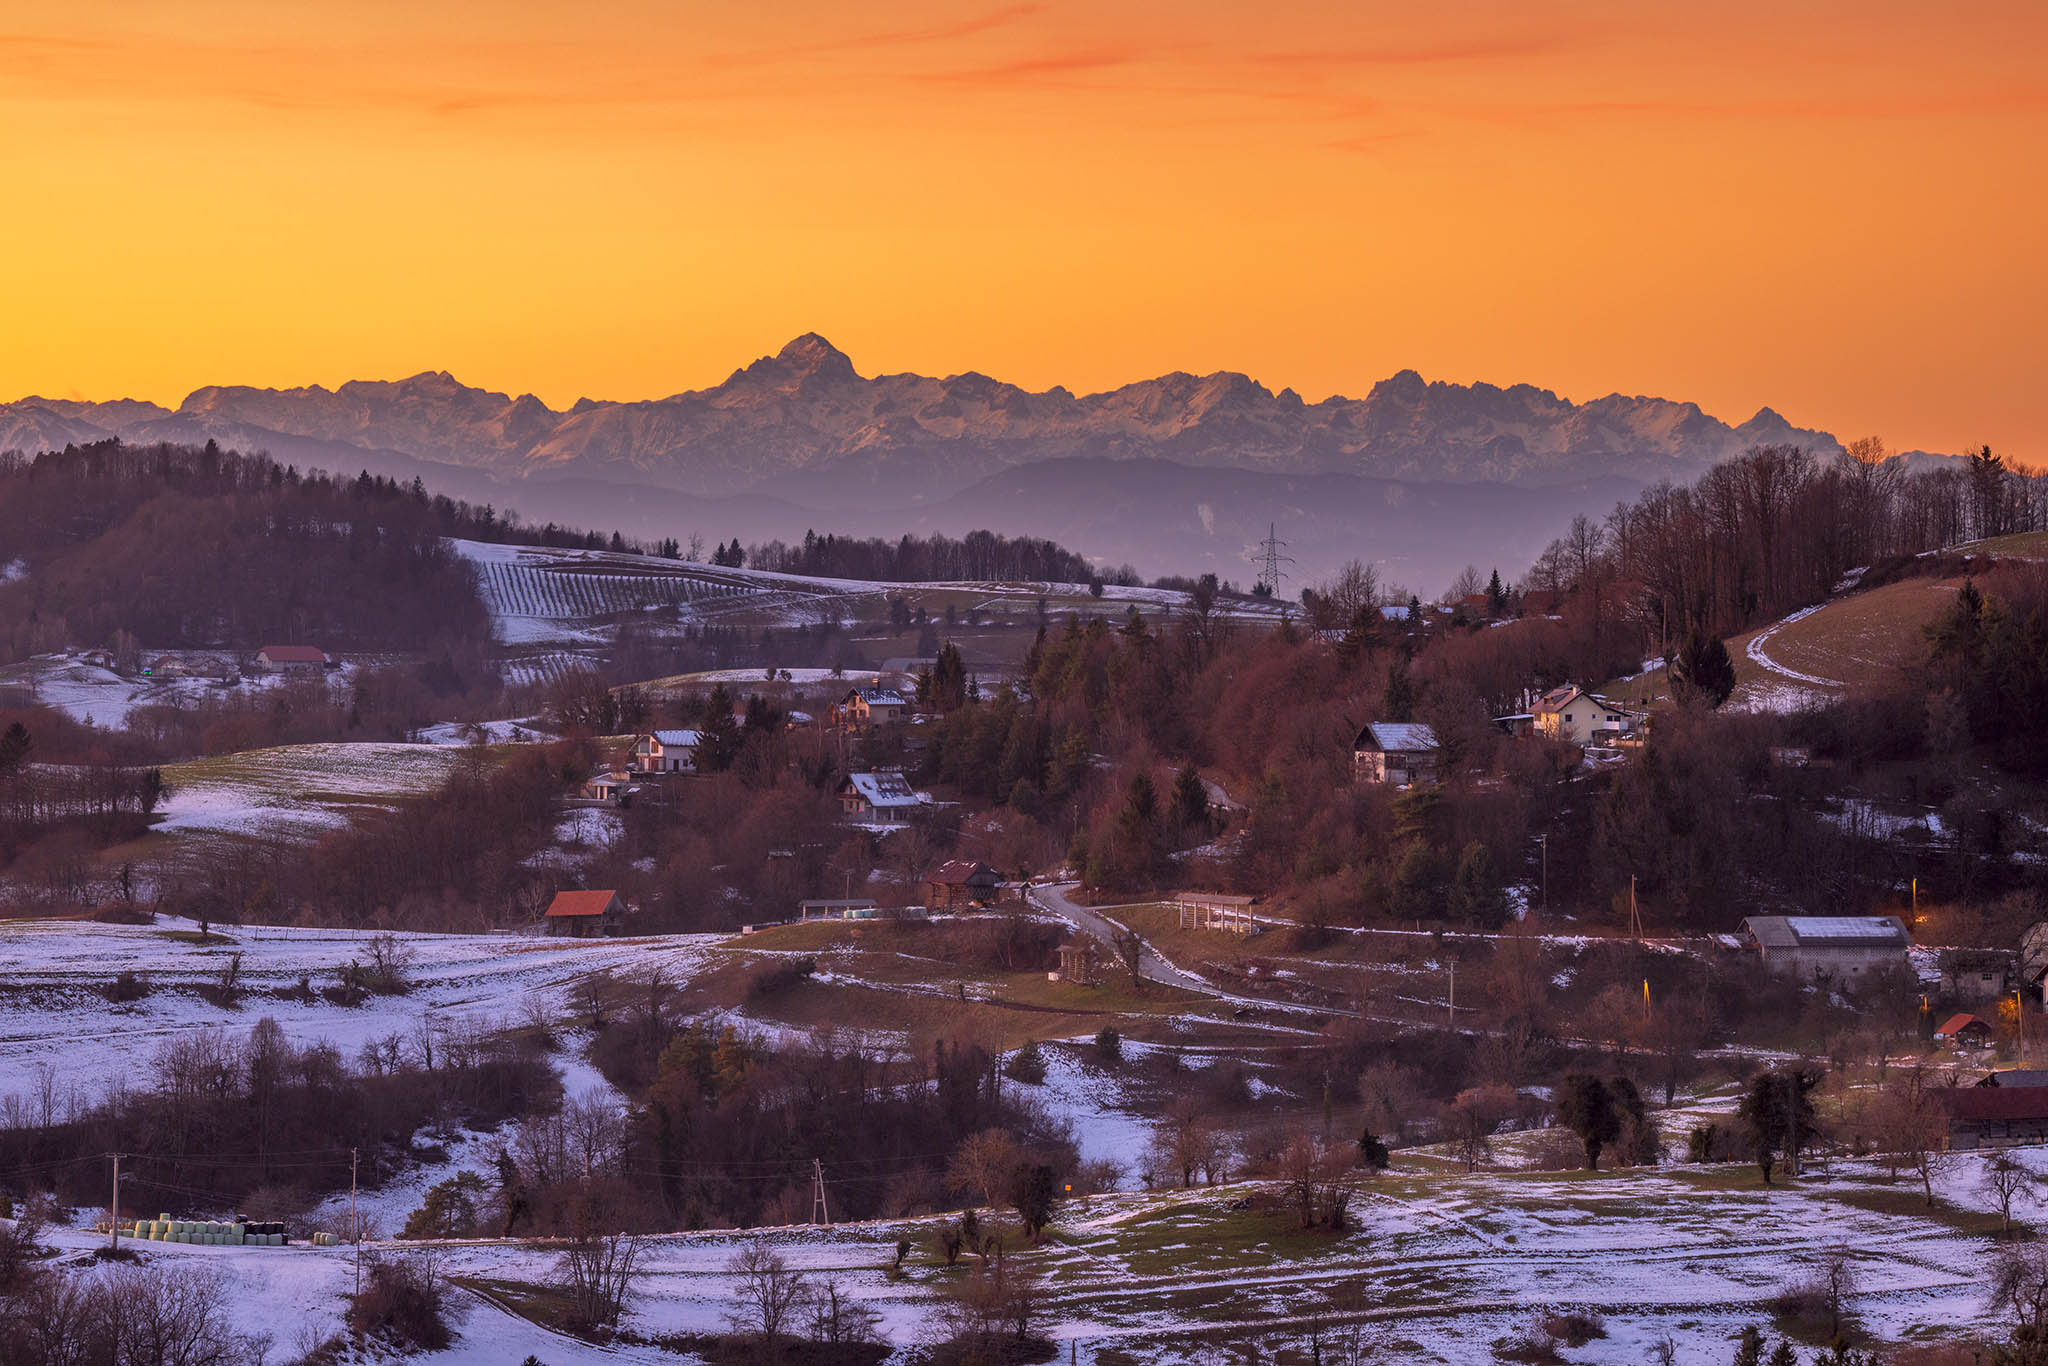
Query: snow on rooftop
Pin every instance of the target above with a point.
(1402, 736)
(1844, 926)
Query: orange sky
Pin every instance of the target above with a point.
(1837, 209)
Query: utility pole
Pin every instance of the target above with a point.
(1451, 1005)
(114, 1207)
(1544, 840)
(1635, 914)
(355, 1228)
(820, 1214)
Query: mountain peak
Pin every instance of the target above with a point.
(811, 354)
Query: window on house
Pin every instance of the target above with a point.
(1567, 716)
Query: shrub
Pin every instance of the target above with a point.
(780, 977)
(402, 1306)
(127, 986)
(1576, 1327)
(1109, 1045)
(1027, 1065)
(389, 958)
(1556, 1149)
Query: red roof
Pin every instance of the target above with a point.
(962, 871)
(582, 903)
(1958, 1023)
(1969, 1104)
(294, 654)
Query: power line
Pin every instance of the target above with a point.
(1269, 559)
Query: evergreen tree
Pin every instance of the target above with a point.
(1397, 699)
(718, 734)
(1372, 1152)
(1702, 671)
(948, 680)
(1421, 884)
(1778, 1112)
(1476, 895)
(1027, 1064)
(1783, 1355)
(1587, 1107)
(1033, 1193)
(1496, 596)
(1190, 814)
(1750, 1351)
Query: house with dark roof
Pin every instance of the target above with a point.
(1400, 753)
(863, 708)
(292, 659)
(2016, 1076)
(1836, 947)
(1994, 1116)
(585, 915)
(961, 885)
(665, 751)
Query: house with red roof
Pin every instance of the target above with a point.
(1966, 1029)
(585, 915)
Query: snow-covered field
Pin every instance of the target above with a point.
(1434, 1270)
(53, 1015)
(519, 731)
(97, 695)
(299, 790)
(1439, 1265)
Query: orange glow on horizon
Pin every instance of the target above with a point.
(1833, 209)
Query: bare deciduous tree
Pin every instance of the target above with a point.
(983, 1164)
(768, 1295)
(596, 1273)
(2007, 1177)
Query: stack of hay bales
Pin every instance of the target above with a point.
(205, 1232)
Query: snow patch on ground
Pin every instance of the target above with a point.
(56, 1018)
(515, 732)
(1758, 651)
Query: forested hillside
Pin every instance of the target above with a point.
(1778, 528)
(173, 546)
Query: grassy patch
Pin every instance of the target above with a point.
(194, 937)
(1904, 1202)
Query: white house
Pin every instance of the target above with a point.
(665, 751)
(885, 797)
(1572, 714)
(865, 707)
(281, 659)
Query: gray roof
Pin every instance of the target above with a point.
(1398, 737)
(2017, 1076)
(880, 697)
(1828, 931)
(676, 739)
